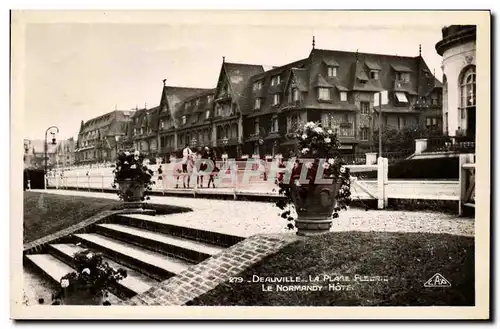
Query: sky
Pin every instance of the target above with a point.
(75, 71)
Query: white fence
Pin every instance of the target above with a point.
(381, 189)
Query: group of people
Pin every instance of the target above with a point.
(188, 162)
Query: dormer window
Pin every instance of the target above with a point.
(403, 76)
(142, 131)
(343, 96)
(257, 86)
(332, 71)
(162, 124)
(207, 114)
(276, 99)
(210, 98)
(324, 94)
(276, 80)
(374, 74)
(296, 95)
(183, 119)
(197, 102)
(257, 104)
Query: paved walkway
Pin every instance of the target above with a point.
(248, 218)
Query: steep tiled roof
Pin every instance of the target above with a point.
(195, 107)
(267, 91)
(109, 124)
(239, 75)
(301, 78)
(173, 98)
(353, 73)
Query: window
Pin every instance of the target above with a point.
(162, 124)
(274, 127)
(276, 80)
(364, 133)
(142, 131)
(324, 93)
(401, 97)
(434, 121)
(343, 96)
(365, 107)
(257, 104)
(276, 99)
(197, 102)
(403, 76)
(256, 127)
(401, 122)
(257, 86)
(183, 119)
(210, 98)
(374, 75)
(332, 71)
(428, 122)
(135, 132)
(207, 114)
(468, 87)
(296, 95)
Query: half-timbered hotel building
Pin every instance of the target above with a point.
(252, 108)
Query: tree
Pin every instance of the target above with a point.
(401, 140)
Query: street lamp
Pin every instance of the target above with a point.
(117, 139)
(224, 142)
(46, 147)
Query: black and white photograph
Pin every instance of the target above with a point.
(228, 160)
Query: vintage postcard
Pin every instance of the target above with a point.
(250, 164)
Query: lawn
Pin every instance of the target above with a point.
(408, 260)
(46, 213)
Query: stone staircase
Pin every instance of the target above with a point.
(147, 246)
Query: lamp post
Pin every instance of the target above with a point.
(224, 142)
(46, 148)
(117, 139)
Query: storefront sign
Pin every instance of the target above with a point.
(345, 147)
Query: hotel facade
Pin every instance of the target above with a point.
(252, 108)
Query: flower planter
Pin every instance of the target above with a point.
(314, 204)
(132, 192)
(83, 297)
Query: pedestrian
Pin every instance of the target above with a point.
(187, 155)
(203, 165)
(212, 157)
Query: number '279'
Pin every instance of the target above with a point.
(236, 279)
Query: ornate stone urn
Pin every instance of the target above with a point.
(314, 204)
(132, 192)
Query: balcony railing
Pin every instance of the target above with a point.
(451, 144)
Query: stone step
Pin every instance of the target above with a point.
(134, 283)
(190, 250)
(161, 224)
(54, 269)
(150, 263)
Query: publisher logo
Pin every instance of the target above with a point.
(437, 281)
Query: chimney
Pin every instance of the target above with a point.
(164, 82)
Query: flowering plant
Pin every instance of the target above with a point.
(317, 150)
(130, 166)
(92, 274)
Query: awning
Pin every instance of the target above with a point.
(401, 68)
(330, 62)
(401, 97)
(373, 66)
